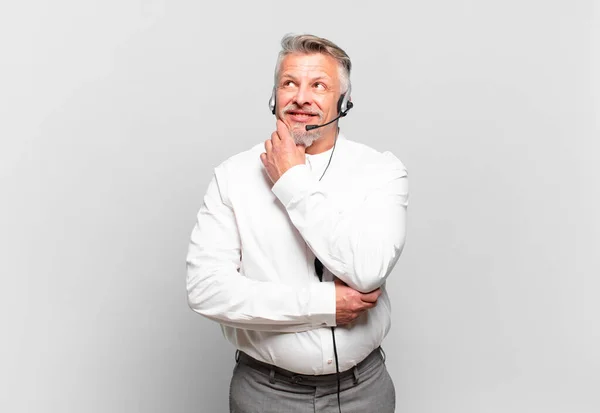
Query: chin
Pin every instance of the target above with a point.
(305, 141)
(303, 137)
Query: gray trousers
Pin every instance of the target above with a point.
(258, 387)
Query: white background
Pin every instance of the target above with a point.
(114, 113)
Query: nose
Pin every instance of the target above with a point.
(303, 96)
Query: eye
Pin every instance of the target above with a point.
(319, 86)
(288, 83)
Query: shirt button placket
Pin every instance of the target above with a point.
(327, 349)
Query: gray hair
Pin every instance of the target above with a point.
(309, 44)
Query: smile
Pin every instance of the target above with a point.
(300, 116)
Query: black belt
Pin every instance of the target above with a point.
(275, 372)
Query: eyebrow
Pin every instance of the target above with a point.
(292, 77)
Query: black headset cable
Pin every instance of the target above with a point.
(319, 271)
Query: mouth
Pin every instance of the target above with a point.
(301, 116)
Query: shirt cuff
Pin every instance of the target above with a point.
(322, 303)
(295, 181)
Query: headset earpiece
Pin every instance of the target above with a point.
(344, 103)
(349, 106)
(272, 101)
(340, 103)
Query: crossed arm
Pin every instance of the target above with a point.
(359, 244)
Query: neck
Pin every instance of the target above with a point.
(325, 142)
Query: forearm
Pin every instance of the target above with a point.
(359, 243)
(218, 291)
(361, 255)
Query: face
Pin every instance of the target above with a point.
(307, 93)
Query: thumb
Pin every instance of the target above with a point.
(301, 148)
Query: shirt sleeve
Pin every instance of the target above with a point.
(358, 243)
(218, 291)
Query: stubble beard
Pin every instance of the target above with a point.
(303, 137)
(298, 130)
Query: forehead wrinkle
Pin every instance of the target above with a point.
(307, 67)
(306, 74)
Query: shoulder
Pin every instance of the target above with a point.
(241, 163)
(367, 157)
(238, 171)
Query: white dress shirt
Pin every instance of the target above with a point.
(252, 252)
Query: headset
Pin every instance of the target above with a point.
(343, 106)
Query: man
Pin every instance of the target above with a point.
(286, 214)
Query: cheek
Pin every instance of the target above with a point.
(284, 99)
(327, 105)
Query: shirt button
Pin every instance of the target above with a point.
(329, 361)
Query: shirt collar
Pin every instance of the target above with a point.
(324, 156)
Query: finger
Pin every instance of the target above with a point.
(372, 296)
(263, 158)
(283, 130)
(268, 145)
(275, 139)
(367, 306)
